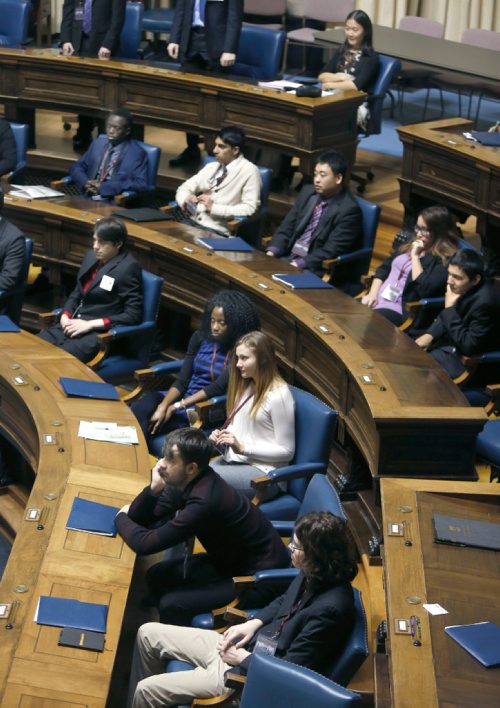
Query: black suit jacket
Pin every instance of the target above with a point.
(222, 26)
(472, 324)
(12, 248)
(8, 150)
(122, 304)
(316, 632)
(237, 537)
(338, 232)
(108, 17)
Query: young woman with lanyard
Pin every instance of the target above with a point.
(205, 370)
(307, 625)
(259, 432)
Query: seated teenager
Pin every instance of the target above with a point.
(112, 167)
(108, 292)
(187, 499)
(468, 325)
(307, 625)
(417, 270)
(354, 65)
(205, 370)
(259, 432)
(225, 189)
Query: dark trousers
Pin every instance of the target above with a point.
(144, 408)
(83, 348)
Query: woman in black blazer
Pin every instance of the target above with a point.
(308, 625)
(108, 292)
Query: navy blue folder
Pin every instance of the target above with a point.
(466, 532)
(6, 324)
(225, 244)
(62, 612)
(487, 138)
(301, 281)
(80, 388)
(92, 517)
(481, 639)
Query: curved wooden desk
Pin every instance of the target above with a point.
(156, 95)
(52, 560)
(407, 419)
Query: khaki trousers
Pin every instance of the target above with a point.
(151, 687)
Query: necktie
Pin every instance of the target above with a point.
(301, 246)
(87, 16)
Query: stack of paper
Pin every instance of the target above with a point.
(39, 192)
(108, 432)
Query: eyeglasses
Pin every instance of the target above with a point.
(293, 547)
(421, 230)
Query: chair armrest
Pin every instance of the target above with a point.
(332, 263)
(425, 302)
(282, 474)
(48, 318)
(472, 362)
(276, 574)
(156, 378)
(284, 527)
(168, 207)
(125, 197)
(57, 183)
(234, 680)
(211, 411)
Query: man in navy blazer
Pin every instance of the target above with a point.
(324, 222)
(204, 35)
(112, 166)
(108, 292)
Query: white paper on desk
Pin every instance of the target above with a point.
(108, 432)
(36, 192)
(434, 608)
(279, 85)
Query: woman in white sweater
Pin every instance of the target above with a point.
(259, 432)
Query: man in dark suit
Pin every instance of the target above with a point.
(468, 325)
(108, 292)
(113, 166)
(324, 222)
(92, 28)
(204, 35)
(12, 247)
(186, 498)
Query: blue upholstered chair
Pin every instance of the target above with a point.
(259, 53)
(14, 296)
(14, 19)
(315, 426)
(389, 67)
(130, 37)
(488, 446)
(362, 256)
(275, 683)
(153, 154)
(158, 20)
(136, 341)
(21, 136)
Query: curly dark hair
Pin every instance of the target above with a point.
(328, 553)
(239, 313)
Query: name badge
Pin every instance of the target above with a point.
(107, 283)
(265, 645)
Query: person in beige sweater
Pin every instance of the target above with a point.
(224, 189)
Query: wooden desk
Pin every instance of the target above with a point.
(412, 420)
(464, 581)
(155, 95)
(430, 51)
(441, 166)
(54, 561)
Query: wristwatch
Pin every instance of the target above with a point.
(178, 404)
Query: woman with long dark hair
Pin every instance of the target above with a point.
(205, 370)
(259, 432)
(418, 269)
(307, 625)
(355, 64)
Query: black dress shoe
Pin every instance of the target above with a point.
(189, 156)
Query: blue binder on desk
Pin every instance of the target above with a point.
(80, 388)
(301, 281)
(92, 517)
(6, 324)
(225, 244)
(481, 639)
(62, 612)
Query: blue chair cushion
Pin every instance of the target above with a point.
(488, 442)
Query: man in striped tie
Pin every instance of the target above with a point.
(324, 222)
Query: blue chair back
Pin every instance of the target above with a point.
(21, 136)
(315, 426)
(153, 152)
(14, 18)
(135, 352)
(370, 218)
(321, 495)
(389, 67)
(158, 19)
(14, 296)
(355, 649)
(259, 53)
(281, 684)
(130, 36)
